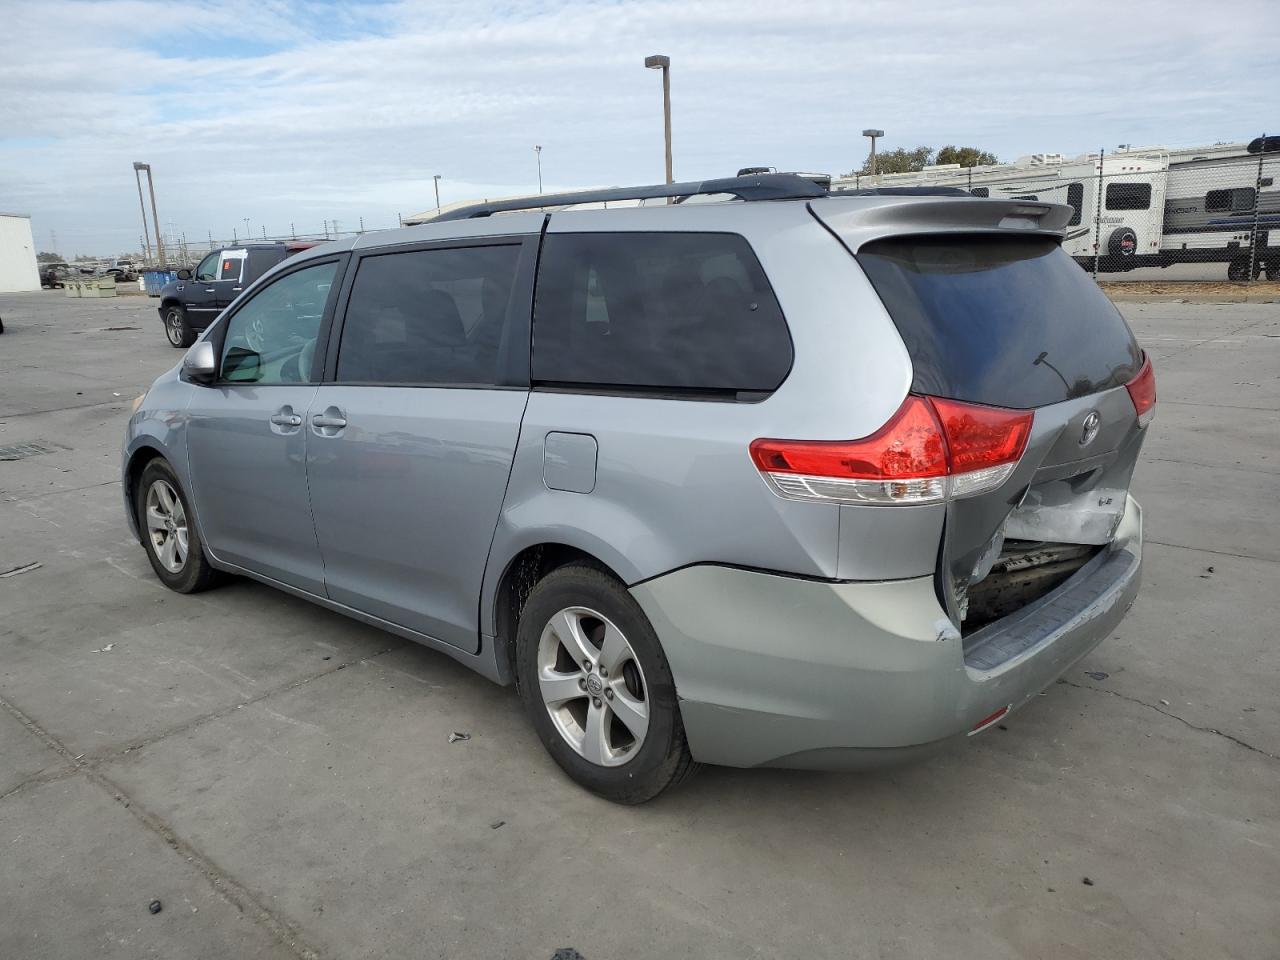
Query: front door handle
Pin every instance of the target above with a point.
(286, 420)
(320, 420)
(208, 289)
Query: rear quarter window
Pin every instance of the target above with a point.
(1005, 321)
(657, 312)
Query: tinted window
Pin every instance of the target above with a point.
(1229, 201)
(208, 269)
(1128, 196)
(1075, 197)
(272, 338)
(230, 268)
(1011, 322)
(674, 311)
(428, 316)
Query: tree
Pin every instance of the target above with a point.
(965, 156)
(901, 160)
(43, 257)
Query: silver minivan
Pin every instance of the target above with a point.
(770, 477)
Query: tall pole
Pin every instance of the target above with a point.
(537, 149)
(660, 62)
(142, 204)
(873, 135)
(436, 180)
(155, 217)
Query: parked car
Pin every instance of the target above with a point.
(190, 303)
(123, 270)
(54, 275)
(822, 482)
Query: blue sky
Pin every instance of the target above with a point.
(287, 112)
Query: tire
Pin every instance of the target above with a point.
(1122, 246)
(640, 683)
(176, 327)
(1238, 270)
(1273, 270)
(184, 570)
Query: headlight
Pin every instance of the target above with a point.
(137, 402)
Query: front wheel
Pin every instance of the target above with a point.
(598, 688)
(176, 327)
(169, 532)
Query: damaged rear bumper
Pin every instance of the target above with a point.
(780, 671)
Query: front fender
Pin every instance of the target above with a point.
(158, 426)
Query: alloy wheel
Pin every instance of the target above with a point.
(173, 327)
(592, 686)
(166, 521)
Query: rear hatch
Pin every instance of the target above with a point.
(1003, 319)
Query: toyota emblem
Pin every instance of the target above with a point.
(1091, 424)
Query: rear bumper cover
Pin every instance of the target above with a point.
(780, 671)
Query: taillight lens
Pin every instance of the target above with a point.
(930, 450)
(1142, 390)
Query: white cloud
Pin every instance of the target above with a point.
(298, 112)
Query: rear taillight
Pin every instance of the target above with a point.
(930, 450)
(1142, 390)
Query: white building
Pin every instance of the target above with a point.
(18, 269)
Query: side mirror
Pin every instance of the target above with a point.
(184, 274)
(200, 365)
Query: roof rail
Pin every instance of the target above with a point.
(769, 186)
(903, 192)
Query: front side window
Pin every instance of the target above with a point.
(272, 338)
(1128, 196)
(208, 269)
(428, 317)
(657, 311)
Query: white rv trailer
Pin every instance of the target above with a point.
(1123, 226)
(1159, 206)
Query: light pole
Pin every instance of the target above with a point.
(146, 233)
(436, 179)
(155, 217)
(537, 149)
(663, 63)
(874, 135)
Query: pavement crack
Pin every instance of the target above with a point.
(1159, 708)
(239, 704)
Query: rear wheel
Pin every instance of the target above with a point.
(168, 531)
(1238, 270)
(176, 327)
(598, 688)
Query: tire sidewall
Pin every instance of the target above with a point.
(188, 579)
(651, 769)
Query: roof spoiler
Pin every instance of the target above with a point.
(858, 223)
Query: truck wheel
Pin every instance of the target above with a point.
(176, 327)
(598, 688)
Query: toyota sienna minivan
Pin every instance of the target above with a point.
(788, 478)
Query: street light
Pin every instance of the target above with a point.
(537, 149)
(146, 231)
(874, 135)
(436, 178)
(660, 62)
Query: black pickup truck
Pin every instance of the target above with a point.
(194, 300)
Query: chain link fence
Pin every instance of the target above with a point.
(1207, 213)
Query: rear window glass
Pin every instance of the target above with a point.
(662, 311)
(1005, 321)
(1128, 196)
(230, 269)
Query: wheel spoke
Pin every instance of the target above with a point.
(559, 688)
(168, 551)
(155, 519)
(633, 713)
(165, 496)
(614, 651)
(180, 536)
(595, 744)
(568, 627)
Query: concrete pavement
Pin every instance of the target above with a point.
(281, 778)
